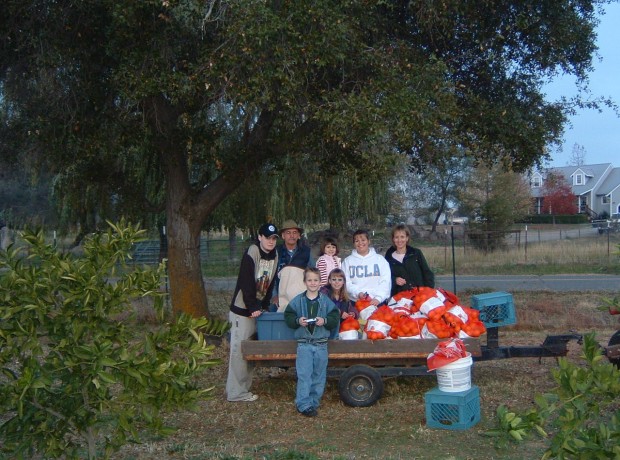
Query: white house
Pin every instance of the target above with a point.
(597, 187)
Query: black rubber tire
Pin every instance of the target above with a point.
(615, 340)
(360, 386)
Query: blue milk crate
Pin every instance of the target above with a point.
(271, 326)
(496, 308)
(452, 411)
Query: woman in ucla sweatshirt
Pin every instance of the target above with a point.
(367, 273)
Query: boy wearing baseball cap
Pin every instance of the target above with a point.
(251, 296)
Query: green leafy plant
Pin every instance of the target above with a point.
(581, 414)
(612, 305)
(79, 376)
(216, 327)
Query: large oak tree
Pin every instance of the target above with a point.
(172, 104)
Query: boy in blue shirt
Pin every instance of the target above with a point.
(313, 315)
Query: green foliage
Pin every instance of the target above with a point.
(336, 197)
(77, 371)
(153, 105)
(581, 413)
(108, 90)
(494, 199)
(215, 327)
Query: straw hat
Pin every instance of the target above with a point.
(291, 224)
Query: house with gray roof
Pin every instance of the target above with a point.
(597, 187)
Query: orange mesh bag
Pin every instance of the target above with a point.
(433, 308)
(436, 329)
(454, 322)
(472, 313)
(407, 327)
(446, 352)
(457, 310)
(403, 298)
(365, 308)
(422, 295)
(380, 322)
(349, 329)
(472, 328)
(449, 297)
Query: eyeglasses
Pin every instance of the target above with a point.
(337, 280)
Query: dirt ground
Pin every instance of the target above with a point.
(393, 428)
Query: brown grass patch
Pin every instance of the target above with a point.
(394, 428)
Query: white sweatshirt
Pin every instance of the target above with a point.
(369, 273)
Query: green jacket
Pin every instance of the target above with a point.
(413, 268)
(298, 307)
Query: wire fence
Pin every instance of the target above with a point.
(573, 248)
(577, 244)
(448, 245)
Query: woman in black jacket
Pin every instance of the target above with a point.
(407, 264)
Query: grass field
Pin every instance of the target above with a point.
(394, 428)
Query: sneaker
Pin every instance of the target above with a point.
(310, 412)
(249, 398)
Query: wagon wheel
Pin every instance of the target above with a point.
(615, 340)
(360, 386)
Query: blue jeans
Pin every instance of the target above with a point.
(311, 366)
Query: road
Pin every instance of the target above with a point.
(559, 283)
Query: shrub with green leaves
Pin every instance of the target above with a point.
(79, 376)
(581, 415)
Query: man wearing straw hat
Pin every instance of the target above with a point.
(293, 258)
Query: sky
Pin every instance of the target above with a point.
(598, 133)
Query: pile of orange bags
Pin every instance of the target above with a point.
(421, 313)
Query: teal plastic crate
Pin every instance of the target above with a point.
(452, 411)
(271, 326)
(496, 308)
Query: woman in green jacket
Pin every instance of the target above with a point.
(407, 264)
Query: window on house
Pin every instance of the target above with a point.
(536, 181)
(578, 179)
(605, 199)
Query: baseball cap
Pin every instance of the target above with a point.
(268, 230)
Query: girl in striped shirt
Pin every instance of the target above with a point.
(328, 259)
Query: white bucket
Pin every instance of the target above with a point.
(455, 376)
(349, 335)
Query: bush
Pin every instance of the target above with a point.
(75, 376)
(582, 413)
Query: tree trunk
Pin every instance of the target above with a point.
(184, 223)
(440, 211)
(187, 210)
(187, 290)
